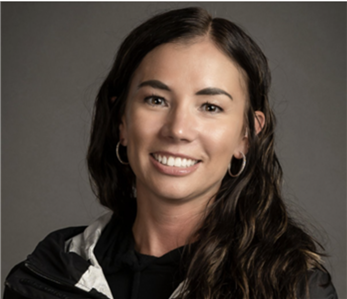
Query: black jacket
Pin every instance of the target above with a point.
(64, 266)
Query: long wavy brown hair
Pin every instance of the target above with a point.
(248, 247)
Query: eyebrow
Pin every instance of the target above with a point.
(206, 91)
(213, 91)
(155, 84)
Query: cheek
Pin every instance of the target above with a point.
(141, 129)
(224, 138)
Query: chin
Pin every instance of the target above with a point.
(175, 195)
(183, 194)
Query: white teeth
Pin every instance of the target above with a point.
(171, 161)
(164, 160)
(177, 162)
(184, 162)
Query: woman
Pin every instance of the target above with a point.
(182, 153)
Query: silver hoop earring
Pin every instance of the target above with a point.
(242, 167)
(117, 153)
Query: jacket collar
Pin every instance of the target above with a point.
(83, 245)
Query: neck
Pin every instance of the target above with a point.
(161, 226)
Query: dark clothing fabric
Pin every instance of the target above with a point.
(99, 262)
(49, 272)
(131, 274)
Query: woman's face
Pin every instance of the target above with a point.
(184, 121)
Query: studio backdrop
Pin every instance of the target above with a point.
(56, 55)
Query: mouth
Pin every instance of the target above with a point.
(174, 161)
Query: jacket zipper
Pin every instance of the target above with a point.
(39, 273)
(34, 270)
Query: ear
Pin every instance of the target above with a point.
(123, 136)
(259, 121)
(122, 128)
(243, 146)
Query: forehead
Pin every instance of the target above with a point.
(191, 66)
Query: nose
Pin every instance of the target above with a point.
(180, 124)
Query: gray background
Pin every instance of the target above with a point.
(55, 56)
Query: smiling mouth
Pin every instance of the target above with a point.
(174, 161)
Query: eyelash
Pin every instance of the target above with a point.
(218, 109)
(148, 100)
(163, 101)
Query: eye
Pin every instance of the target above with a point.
(208, 107)
(155, 101)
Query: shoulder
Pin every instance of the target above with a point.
(54, 241)
(46, 253)
(63, 257)
(59, 241)
(62, 234)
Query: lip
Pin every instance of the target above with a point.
(171, 170)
